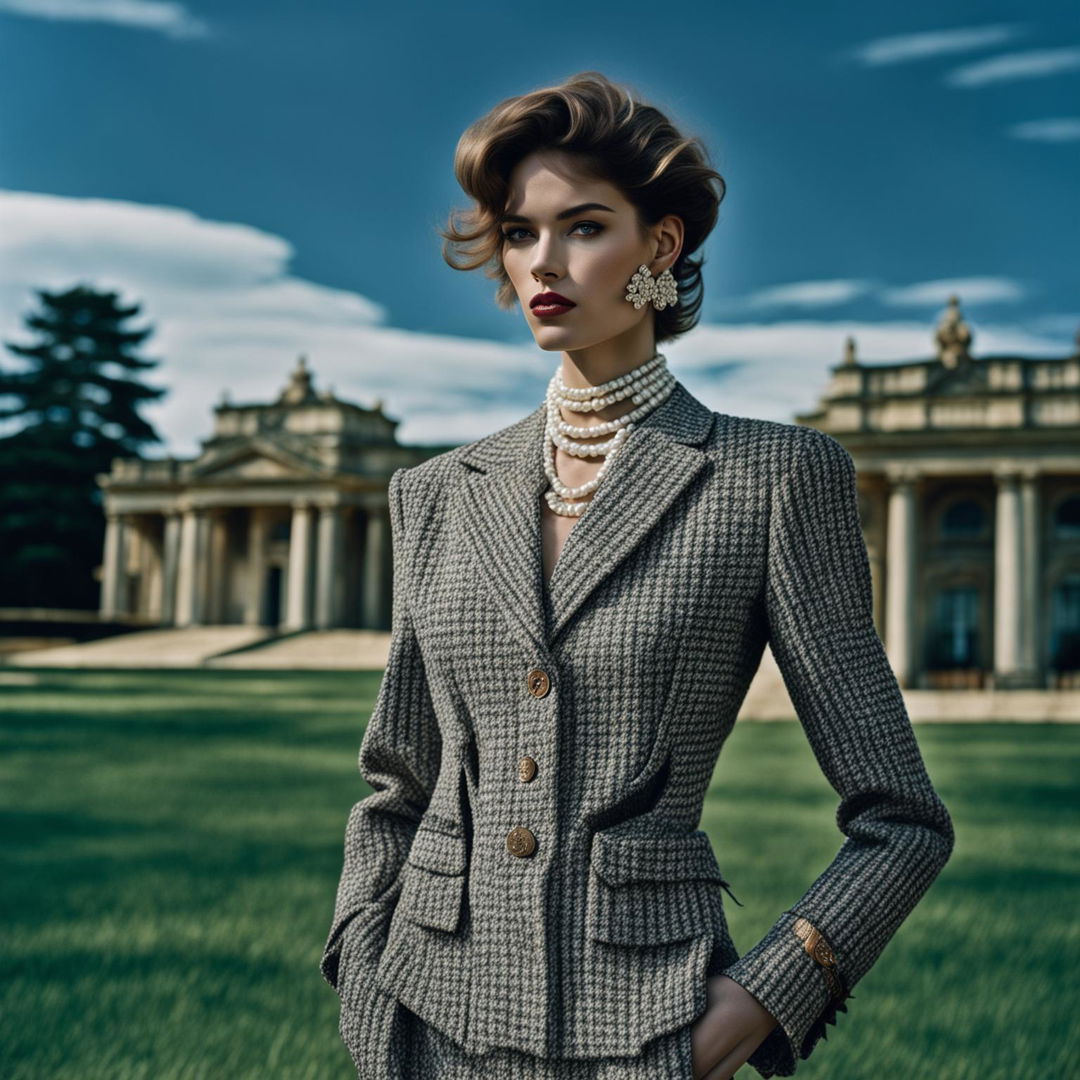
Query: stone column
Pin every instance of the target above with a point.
(1008, 602)
(298, 616)
(1031, 613)
(114, 562)
(217, 567)
(191, 578)
(258, 527)
(377, 584)
(900, 555)
(329, 566)
(170, 566)
(148, 557)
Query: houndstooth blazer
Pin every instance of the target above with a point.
(528, 870)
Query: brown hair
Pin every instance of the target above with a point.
(631, 145)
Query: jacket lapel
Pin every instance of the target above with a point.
(499, 514)
(501, 510)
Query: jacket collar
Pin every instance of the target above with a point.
(500, 511)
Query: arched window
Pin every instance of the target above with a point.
(965, 519)
(1067, 519)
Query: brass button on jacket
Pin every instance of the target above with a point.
(538, 682)
(526, 769)
(520, 842)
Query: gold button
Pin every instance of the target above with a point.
(520, 842)
(538, 682)
(526, 769)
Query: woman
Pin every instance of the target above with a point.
(580, 602)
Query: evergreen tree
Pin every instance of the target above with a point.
(69, 411)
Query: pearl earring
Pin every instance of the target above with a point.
(643, 287)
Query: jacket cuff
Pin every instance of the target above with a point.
(367, 932)
(795, 988)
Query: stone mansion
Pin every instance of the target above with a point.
(969, 488)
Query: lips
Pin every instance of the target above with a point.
(550, 300)
(547, 305)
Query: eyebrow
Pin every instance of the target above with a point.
(565, 213)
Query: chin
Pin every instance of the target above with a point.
(552, 338)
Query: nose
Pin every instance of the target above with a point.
(547, 263)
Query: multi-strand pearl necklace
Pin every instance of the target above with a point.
(647, 385)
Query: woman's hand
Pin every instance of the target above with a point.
(732, 1027)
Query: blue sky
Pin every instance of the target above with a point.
(267, 179)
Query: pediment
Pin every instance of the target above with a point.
(253, 461)
(255, 467)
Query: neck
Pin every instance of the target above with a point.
(606, 360)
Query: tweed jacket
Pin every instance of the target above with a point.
(528, 869)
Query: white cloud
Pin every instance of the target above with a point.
(230, 317)
(801, 294)
(1036, 64)
(1053, 129)
(902, 48)
(832, 292)
(160, 16)
(169, 245)
(973, 290)
(1064, 324)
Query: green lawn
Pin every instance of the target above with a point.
(171, 843)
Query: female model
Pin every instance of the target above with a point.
(580, 602)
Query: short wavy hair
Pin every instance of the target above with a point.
(614, 137)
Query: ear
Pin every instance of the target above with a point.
(668, 234)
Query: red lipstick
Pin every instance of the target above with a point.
(550, 303)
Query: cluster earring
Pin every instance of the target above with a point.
(643, 287)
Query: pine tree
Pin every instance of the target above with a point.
(65, 416)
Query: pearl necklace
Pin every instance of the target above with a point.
(647, 385)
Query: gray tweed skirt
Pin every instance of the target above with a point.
(388, 1041)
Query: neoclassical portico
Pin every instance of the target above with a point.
(281, 521)
(969, 486)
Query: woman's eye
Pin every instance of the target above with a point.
(510, 234)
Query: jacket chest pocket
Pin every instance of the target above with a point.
(650, 890)
(433, 878)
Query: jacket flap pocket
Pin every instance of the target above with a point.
(653, 912)
(620, 860)
(651, 890)
(431, 899)
(443, 852)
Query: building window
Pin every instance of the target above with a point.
(1065, 624)
(964, 519)
(953, 641)
(1067, 519)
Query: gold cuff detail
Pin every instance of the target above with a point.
(821, 952)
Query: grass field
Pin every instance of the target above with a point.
(171, 843)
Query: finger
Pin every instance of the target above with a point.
(732, 1061)
(711, 1041)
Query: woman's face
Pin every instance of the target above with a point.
(580, 238)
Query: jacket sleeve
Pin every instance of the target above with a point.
(898, 833)
(399, 759)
